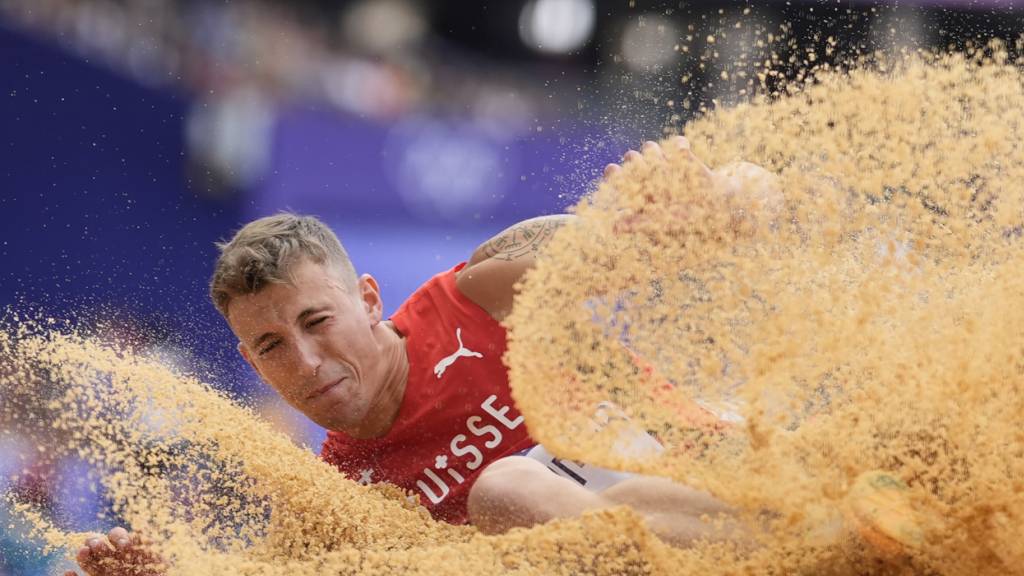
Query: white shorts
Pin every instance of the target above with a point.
(632, 443)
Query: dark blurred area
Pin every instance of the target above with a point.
(135, 134)
(138, 133)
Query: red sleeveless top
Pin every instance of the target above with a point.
(457, 414)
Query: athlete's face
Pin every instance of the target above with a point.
(314, 342)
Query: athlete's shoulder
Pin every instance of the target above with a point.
(490, 276)
(438, 307)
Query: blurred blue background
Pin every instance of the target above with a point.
(135, 134)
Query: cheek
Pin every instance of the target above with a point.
(280, 378)
(347, 338)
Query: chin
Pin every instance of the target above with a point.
(332, 425)
(338, 424)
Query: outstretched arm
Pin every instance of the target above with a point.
(497, 265)
(520, 492)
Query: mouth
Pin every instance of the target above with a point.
(323, 389)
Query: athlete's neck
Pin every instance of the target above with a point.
(389, 398)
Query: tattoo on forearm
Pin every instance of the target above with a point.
(522, 239)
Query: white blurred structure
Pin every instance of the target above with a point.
(557, 26)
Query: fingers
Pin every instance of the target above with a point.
(90, 555)
(650, 151)
(119, 550)
(653, 150)
(649, 148)
(97, 544)
(119, 538)
(681, 142)
(83, 556)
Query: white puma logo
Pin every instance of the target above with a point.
(460, 353)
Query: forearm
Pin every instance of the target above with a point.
(519, 492)
(678, 514)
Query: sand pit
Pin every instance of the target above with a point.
(869, 320)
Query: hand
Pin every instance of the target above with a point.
(754, 194)
(119, 554)
(657, 197)
(651, 151)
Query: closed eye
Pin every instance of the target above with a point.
(315, 322)
(270, 346)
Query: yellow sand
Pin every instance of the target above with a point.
(872, 322)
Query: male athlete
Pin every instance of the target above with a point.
(420, 399)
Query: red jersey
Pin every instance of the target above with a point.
(457, 414)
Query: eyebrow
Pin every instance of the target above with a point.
(302, 316)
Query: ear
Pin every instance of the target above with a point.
(244, 351)
(369, 294)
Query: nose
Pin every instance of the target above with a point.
(309, 359)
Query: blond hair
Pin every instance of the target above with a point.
(265, 250)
